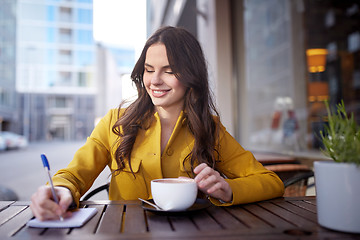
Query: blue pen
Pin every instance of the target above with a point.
(47, 170)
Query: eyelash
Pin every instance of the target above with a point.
(151, 71)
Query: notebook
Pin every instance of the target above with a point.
(78, 218)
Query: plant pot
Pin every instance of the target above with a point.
(338, 195)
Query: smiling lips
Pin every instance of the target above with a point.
(159, 93)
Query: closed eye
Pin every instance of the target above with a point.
(168, 70)
(148, 70)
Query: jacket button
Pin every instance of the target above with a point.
(169, 151)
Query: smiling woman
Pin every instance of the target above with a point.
(172, 130)
(165, 90)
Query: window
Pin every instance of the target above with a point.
(33, 34)
(64, 79)
(82, 79)
(294, 60)
(332, 31)
(65, 35)
(60, 102)
(32, 11)
(84, 58)
(84, 16)
(85, 1)
(65, 14)
(50, 13)
(50, 34)
(4, 97)
(50, 78)
(50, 56)
(65, 57)
(84, 37)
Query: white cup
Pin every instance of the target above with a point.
(174, 194)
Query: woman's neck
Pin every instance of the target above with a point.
(168, 121)
(168, 117)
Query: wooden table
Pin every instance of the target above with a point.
(285, 157)
(283, 218)
(273, 158)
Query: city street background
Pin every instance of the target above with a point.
(22, 170)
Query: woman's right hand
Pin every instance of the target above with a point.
(44, 207)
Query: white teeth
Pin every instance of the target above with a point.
(158, 91)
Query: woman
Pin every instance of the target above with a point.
(171, 130)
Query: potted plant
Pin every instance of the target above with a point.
(338, 181)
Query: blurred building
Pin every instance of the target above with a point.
(113, 66)
(47, 59)
(7, 62)
(272, 63)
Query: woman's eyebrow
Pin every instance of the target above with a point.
(164, 67)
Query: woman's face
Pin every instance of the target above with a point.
(164, 89)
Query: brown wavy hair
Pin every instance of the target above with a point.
(188, 63)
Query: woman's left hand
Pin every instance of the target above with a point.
(211, 183)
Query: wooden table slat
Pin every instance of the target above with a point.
(300, 211)
(182, 224)
(55, 231)
(311, 201)
(134, 219)
(5, 204)
(21, 203)
(204, 221)
(29, 233)
(247, 218)
(226, 220)
(158, 223)
(294, 219)
(17, 223)
(272, 219)
(10, 212)
(112, 219)
(305, 205)
(92, 224)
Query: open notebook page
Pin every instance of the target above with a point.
(78, 218)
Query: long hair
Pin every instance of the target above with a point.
(188, 63)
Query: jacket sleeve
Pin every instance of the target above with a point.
(249, 180)
(88, 161)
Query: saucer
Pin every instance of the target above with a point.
(199, 204)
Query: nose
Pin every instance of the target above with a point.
(156, 79)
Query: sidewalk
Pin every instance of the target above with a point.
(22, 170)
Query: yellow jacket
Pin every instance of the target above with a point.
(248, 179)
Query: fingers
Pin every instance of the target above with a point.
(65, 198)
(215, 187)
(212, 183)
(207, 178)
(44, 207)
(199, 168)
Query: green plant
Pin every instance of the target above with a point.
(341, 137)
